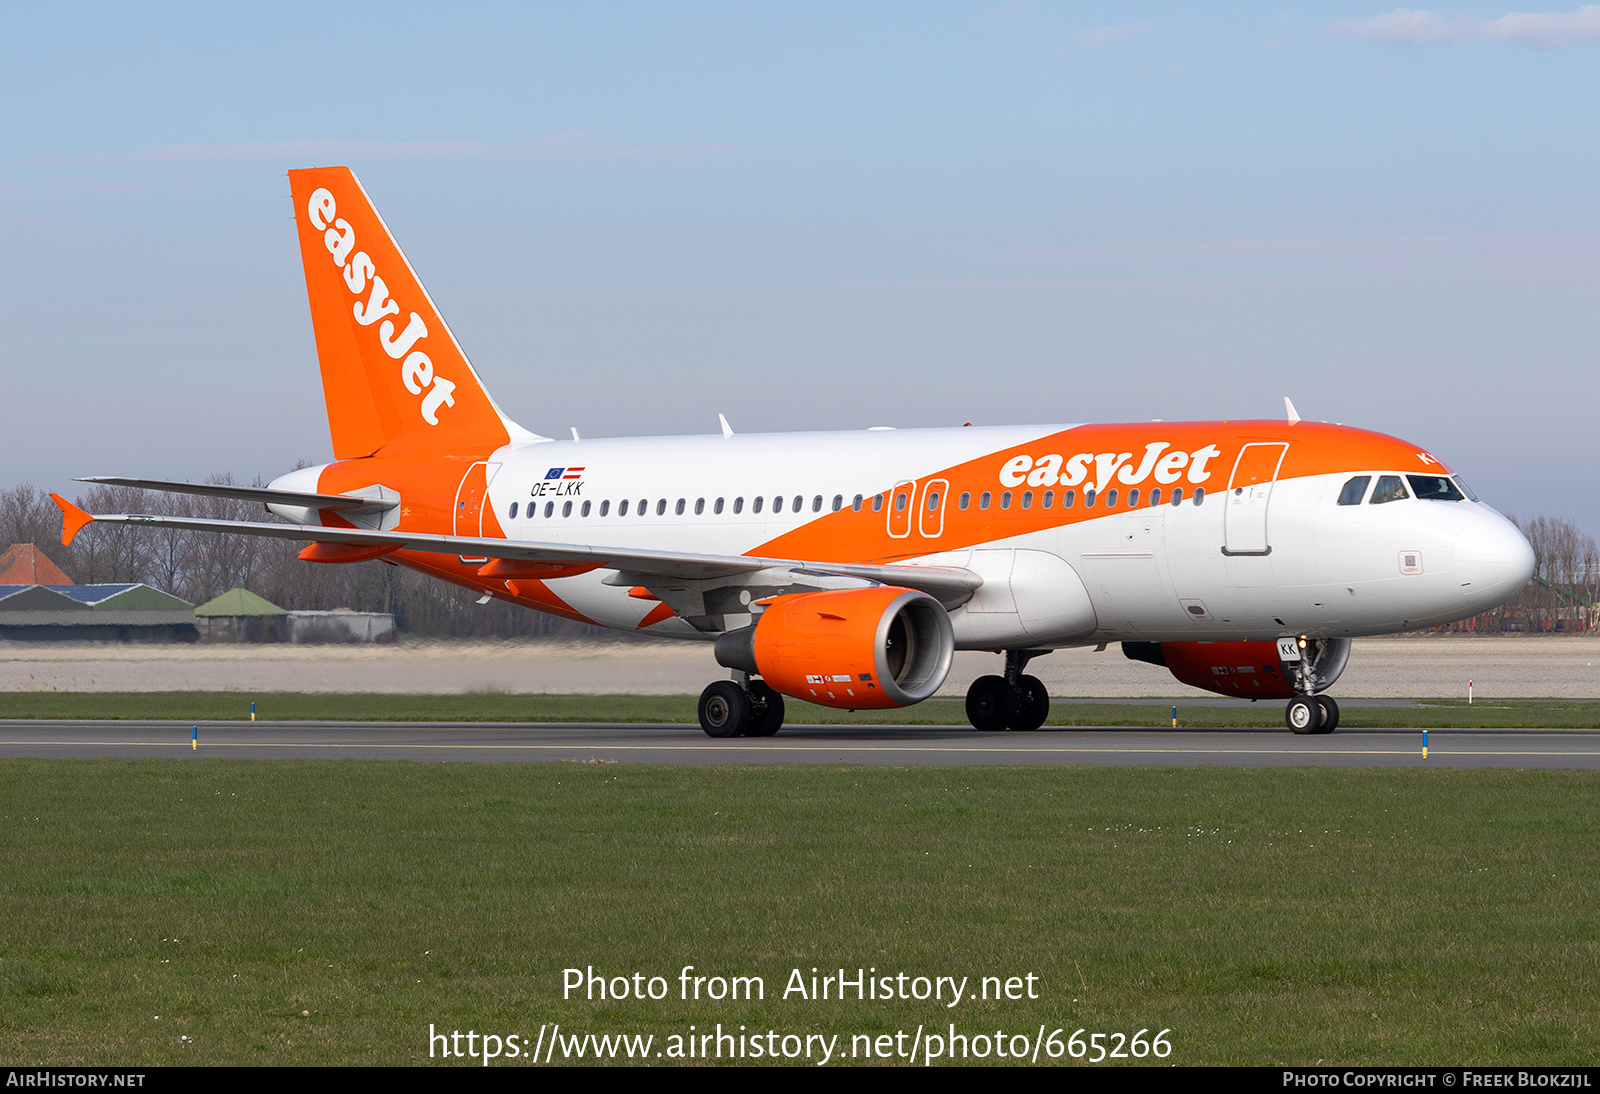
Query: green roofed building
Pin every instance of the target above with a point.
(239, 615)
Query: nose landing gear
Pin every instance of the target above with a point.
(1309, 712)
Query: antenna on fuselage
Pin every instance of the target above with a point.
(575, 433)
(727, 430)
(1288, 407)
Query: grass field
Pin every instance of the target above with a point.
(328, 912)
(201, 706)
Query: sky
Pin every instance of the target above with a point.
(816, 216)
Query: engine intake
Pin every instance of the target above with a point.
(856, 649)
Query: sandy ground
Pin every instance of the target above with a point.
(1500, 667)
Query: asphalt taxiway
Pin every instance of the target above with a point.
(479, 742)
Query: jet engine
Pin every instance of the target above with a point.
(1249, 670)
(857, 649)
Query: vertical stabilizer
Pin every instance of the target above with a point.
(392, 374)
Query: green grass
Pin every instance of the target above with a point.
(216, 706)
(1284, 915)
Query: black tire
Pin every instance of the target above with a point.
(1034, 708)
(1303, 714)
(771, 719)
(1330, 714)
(724, 709)
(991, 703)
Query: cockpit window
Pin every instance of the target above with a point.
(1465, 489)
(1389, 488)
(1354, 490)
(1434, 488)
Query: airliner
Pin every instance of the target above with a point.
(846, 568)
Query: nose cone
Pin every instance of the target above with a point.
(1493, 560)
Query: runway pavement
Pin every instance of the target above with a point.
(639, 743)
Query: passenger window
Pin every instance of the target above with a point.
(699, 507)
(1027, 499)
(838, 502)
(566, 509)
(1354, 490)
(755, 507)
(1389, 488)
(677, 510)
(1068, 499)
(900, 502)
(800, 503)
(585, 511)
(965, 499)
(1088, 499)
(933, 501)
(717, 507)
(661, 507)
(605, 507)
(622, 508)
(816, 504)
(983, 500)
(644, 507)
(877, 503)
(1005, 499)
(1111, 498)
(738, 505)
(855, 504)
(1434, 488)
(513, 510)
(1155, 496)
(1199, 495)
(1048, 500)
(1133, 498)
(549, 507)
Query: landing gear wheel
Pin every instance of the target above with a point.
(770, 720)
(724, 709)
(1304, 714)
(991, 703)
(1035, 705)
(1330, 714)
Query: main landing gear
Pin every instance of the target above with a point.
(1012, 701)
(740, 707)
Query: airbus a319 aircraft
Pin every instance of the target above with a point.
(847, 568)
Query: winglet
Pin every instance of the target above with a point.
(72, 519)
(1288, 407)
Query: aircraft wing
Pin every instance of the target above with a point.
(945, 583)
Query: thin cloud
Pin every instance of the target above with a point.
(1420, 27)
(1105, 36)
(552, 146)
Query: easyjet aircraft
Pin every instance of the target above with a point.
(847, 568)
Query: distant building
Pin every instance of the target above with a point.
(39, 603)
(239, 615)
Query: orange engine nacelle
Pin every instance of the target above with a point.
(1249, 670)
(857, 649)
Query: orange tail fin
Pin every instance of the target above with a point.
(392, 374)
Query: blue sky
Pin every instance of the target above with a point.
(820, 216)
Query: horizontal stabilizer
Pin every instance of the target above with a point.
(250, 493)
